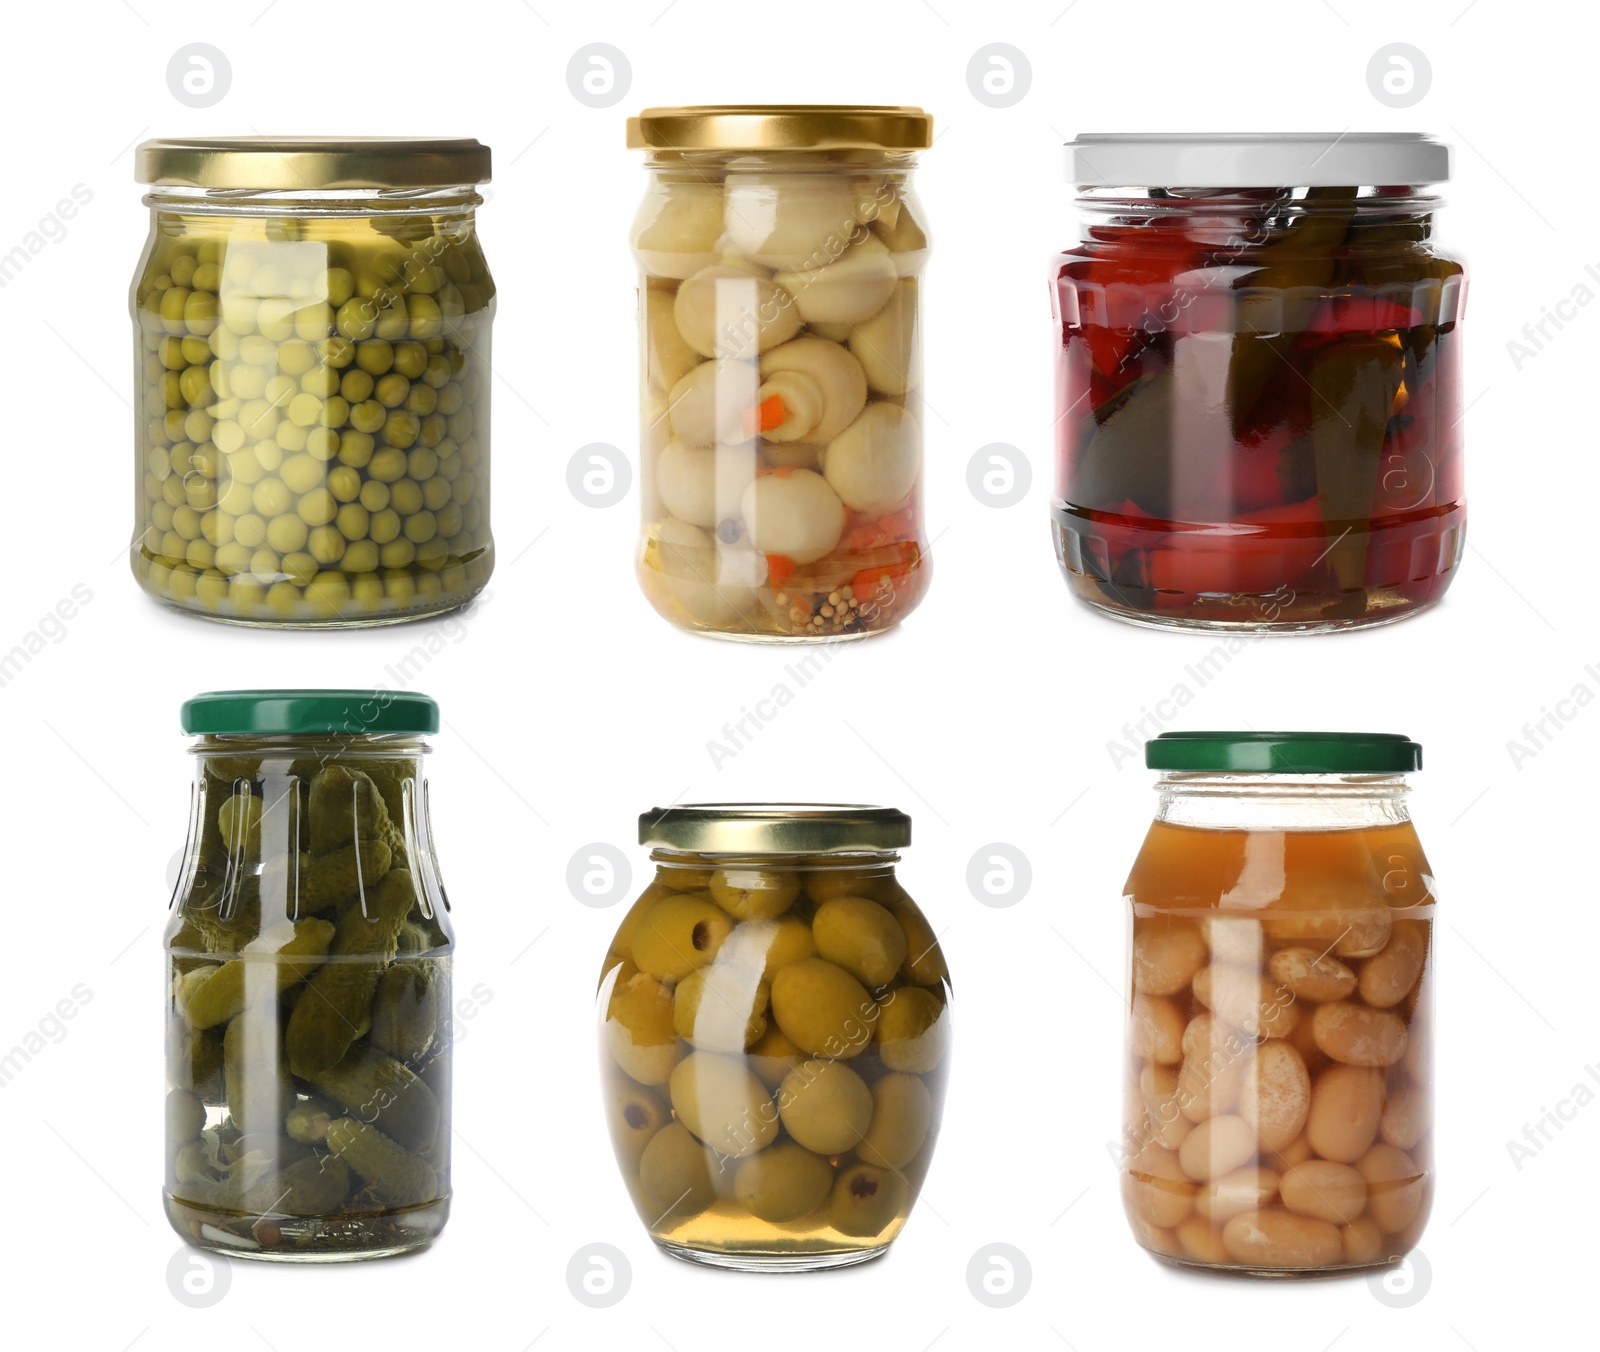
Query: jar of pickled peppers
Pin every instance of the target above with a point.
(1258, 381)
(780, 253)
(1278, 1092)
(311, 356)
(308, 982)
(774, 1018)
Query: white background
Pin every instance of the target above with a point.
(570, 707)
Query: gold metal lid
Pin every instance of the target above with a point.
(288, 163)
(781, 126)
(774, 828)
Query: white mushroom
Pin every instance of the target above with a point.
(676, 231)
(848, 290)
(727, 311)
(714, 585)
(873, 463)
(790, 220)
(837, 374)
(668, 359)
(713, 403)
(793, 512)
(886, 345)
(907, 240)
(703, 485)
(800, 400)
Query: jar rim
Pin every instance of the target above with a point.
(782, 126)
(774, 828)
(301, 713)
(277, 163)
(1256, 159)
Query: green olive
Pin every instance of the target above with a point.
(723, 1104)
(678, 934)
(867, 1200)
(902, 1112)
(783, 1183)
(825, 1106)
(823, 1009)
(913, 1030)
(675, 1172)
(754, 894)
(860, 936)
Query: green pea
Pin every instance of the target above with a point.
(250, 531)
(432, 430)
(264, 562)
(280, 391)
(270, 454)
(207, 277)
(170, 355)
(426, 317)
(368, 416)
(392, 389)
(435, 494)
(321, 382)
(257, 420)
(449, 515)
(362, 558)
(296, 357)
(200, 313)
(233, 557)
(246, 382)
(397, 553)
(182, 585)
(313, 321)
(406, 497)
(172, 302)
(437, 373)
(335, 411)
(317, 508)
(301, 473)
(217, 527)
(224, 343)
(195, 385)
(283, 599)
(399, 587)
(355, 447)
(286, 534)
(182, 269)
(421, 526)
(195, 351)
(246, 594)
(218, 374)
(175, 424)
(421, 400)
(374, 495)
(173, 545)
(299, 567)
(393, 321)
(322, 442)
(291, 437)
(169, 389)
(433, 553)
(200, 553)
(337, 352)
(272, 498)
(384, 526)
(212, 589)
(401, 428)
(352, 521)
(375, 356)
(356, 386)
(161, 516)
(410, 359)
(305, 409)
(275, 318)
(326, 545)
(387, 465)
(357, 319)
(186, 521)
(340, 286)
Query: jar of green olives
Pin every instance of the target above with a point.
(311, 327)
(308, 982)
(774, 1036)
(780, 253)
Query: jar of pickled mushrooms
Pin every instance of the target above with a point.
(1279, 1081)
(780, 253)
(311, 356)
(308, 982)
(774, 1036)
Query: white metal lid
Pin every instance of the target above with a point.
(1255, 159)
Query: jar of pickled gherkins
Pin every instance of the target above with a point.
(780, 252)
(311, 354)
(774, 1036)
(1278, 1094)
(1258, 382)
(308, 982)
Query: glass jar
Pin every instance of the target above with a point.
(780, 252)
(308, 982)
(1259, 385)
(1279, 1086)
(311, 355)
(774, 1036)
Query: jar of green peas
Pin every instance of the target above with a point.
(311, 325)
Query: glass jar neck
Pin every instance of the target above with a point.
(455, 200)
(383, 746)
(1280, 802)
(778, 863)
(1242, 219)
(720, 163)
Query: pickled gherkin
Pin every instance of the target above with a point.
(308, 997)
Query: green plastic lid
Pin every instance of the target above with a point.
(289, 713)
(1289, 753)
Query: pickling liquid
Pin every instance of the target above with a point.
(1278, 1094)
